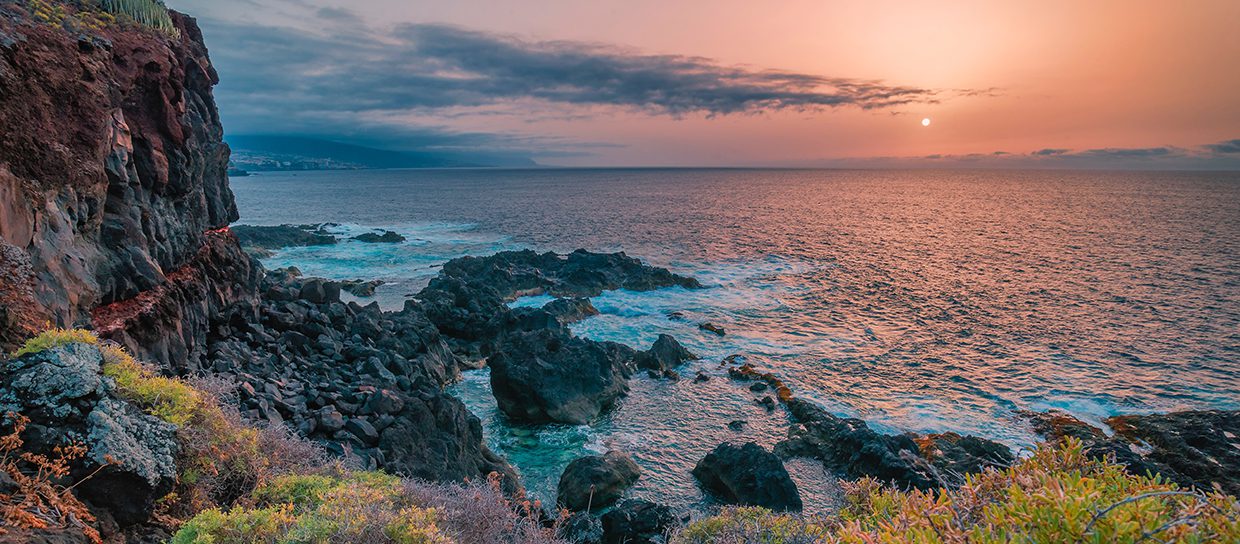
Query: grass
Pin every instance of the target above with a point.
(1056, 495)
(55, 338)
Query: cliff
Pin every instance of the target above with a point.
(113, 185)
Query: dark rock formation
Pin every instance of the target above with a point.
(549, 375)
(578, 274)
(713, 328)
(112, 168)
(850, 448)
(281, 236)
(132, 456)
(596, 481)
(748, 475)
(387, 237)
(354, 378)
(570, 310)
(638, 522)
(664, 355)
(954, 455)
(1194, 449)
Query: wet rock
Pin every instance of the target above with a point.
(758, 387)
(328, 420)
(570, 310)
(281, 236)
(701, 377)
(767, 402)
(737, 424)
(386, 237)
(713, 328)
(665, 354)
(638, 522)
(748, 475)
(131, 457)
(547, 375)
(596, 481)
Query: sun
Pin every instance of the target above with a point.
(925, 122)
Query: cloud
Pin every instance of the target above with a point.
(1050, 151)
(1223, 155)
(1225, 147)
(354, 79)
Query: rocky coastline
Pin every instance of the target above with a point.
(115, 217)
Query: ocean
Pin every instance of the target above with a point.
(922, 301)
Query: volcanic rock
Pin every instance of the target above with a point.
(549, 375)
(748, 475)
(596, 481)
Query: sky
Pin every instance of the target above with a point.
(1049, 83)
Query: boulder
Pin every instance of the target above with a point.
(713, 328)
(638, 522)
(664, 355)
(597, 480)
(131, 456)
(552, 376)
(748, 475)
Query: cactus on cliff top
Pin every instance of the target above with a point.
(151, 13)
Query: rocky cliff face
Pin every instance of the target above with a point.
(113, 177)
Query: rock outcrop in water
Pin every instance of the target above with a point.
(596, 481)
(1194, 449)
(748, 475)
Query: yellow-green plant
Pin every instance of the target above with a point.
(55, 338)
(1057, 495)
(150, 13)
(316, 508)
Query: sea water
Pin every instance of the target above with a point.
(921, 301)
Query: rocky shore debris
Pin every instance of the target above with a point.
(1195, 449)
(666, 354)
(382, 237)
(570, 310)
(748, 475)
(713, 328)
(596, 481)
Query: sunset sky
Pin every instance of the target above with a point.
(1132, 83)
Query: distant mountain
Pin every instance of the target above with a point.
(276, 152)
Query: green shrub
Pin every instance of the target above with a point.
(55, 338)
(351, 507)
(1057, 495)
(150, 13)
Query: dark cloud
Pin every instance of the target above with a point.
(355, 79)
(1050, 152)
(1130, 153)
(1225, 147)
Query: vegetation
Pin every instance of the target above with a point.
(97, 14)
(149, 13)
(368, 507)
(1057, 495)
(55, 338)
(30, 498)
